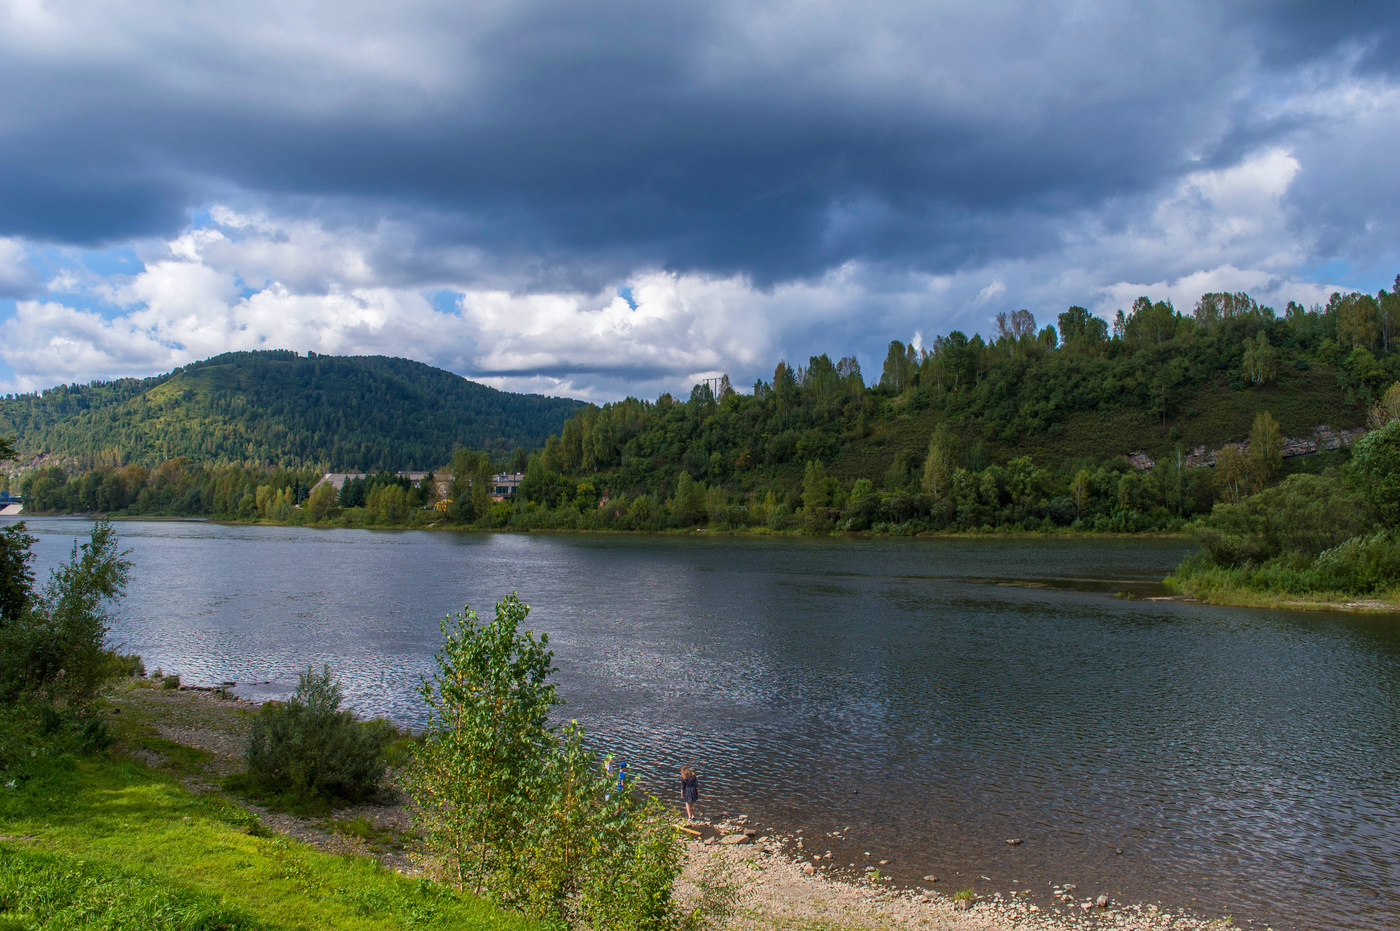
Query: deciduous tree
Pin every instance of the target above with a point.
(1265, 450)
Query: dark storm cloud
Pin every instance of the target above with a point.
(576, 142)
(1298, 31)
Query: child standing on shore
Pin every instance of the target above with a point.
(690, 791)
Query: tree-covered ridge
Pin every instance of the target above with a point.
(1156, 380)
(277, 408)
(1030, 430)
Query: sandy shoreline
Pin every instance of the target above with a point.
(780, 879)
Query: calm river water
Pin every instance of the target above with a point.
(934, 697)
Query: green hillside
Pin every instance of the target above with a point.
(1034, 429)
(1075, 424)
(276, 408)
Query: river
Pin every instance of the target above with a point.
(928, 698)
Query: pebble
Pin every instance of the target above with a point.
(884, 862)
(809, 869)
(732, 839)
(1014, 841)
(1101, 901)
(930, 879)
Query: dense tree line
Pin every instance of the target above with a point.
(278, 409)
(1026, 430)
(945, 438)
(1310, 535)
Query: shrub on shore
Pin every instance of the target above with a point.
(524, 812)
(52, 640)
(312, 750)
(1362, 565)
(53, 655)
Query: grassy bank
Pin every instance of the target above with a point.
(104, 842)
(1249, 588)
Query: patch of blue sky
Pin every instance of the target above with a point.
(116, 261)
(85, 301)
(119, 260)
(447, 301)
(85, 268)
(625, 292)
(1337, 271)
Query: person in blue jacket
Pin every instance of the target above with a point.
(690, 791)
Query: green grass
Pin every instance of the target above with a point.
(48, 890)
(1243, 588)
(92, 842)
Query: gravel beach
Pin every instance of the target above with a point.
(772, 880)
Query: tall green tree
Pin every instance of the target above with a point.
(689, 504)
(1265, 449)
(523, 812)
(16, 560)
(55, 650)
(940, 461)
(1260, 361)
(481, 764)
(1376, 456)
(483, 485)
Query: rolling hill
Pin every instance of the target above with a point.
(278, 408)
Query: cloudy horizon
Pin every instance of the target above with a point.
(615, 198)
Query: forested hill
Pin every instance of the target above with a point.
(277, 408)
(968, 432)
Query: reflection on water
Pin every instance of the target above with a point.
(935, 696)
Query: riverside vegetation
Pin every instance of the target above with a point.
(1030, 431)
(516, 814)
(1311, 538)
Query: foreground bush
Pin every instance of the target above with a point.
(309, 748)
(52, 641)
(523, 812)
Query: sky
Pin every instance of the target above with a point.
(616, 197)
